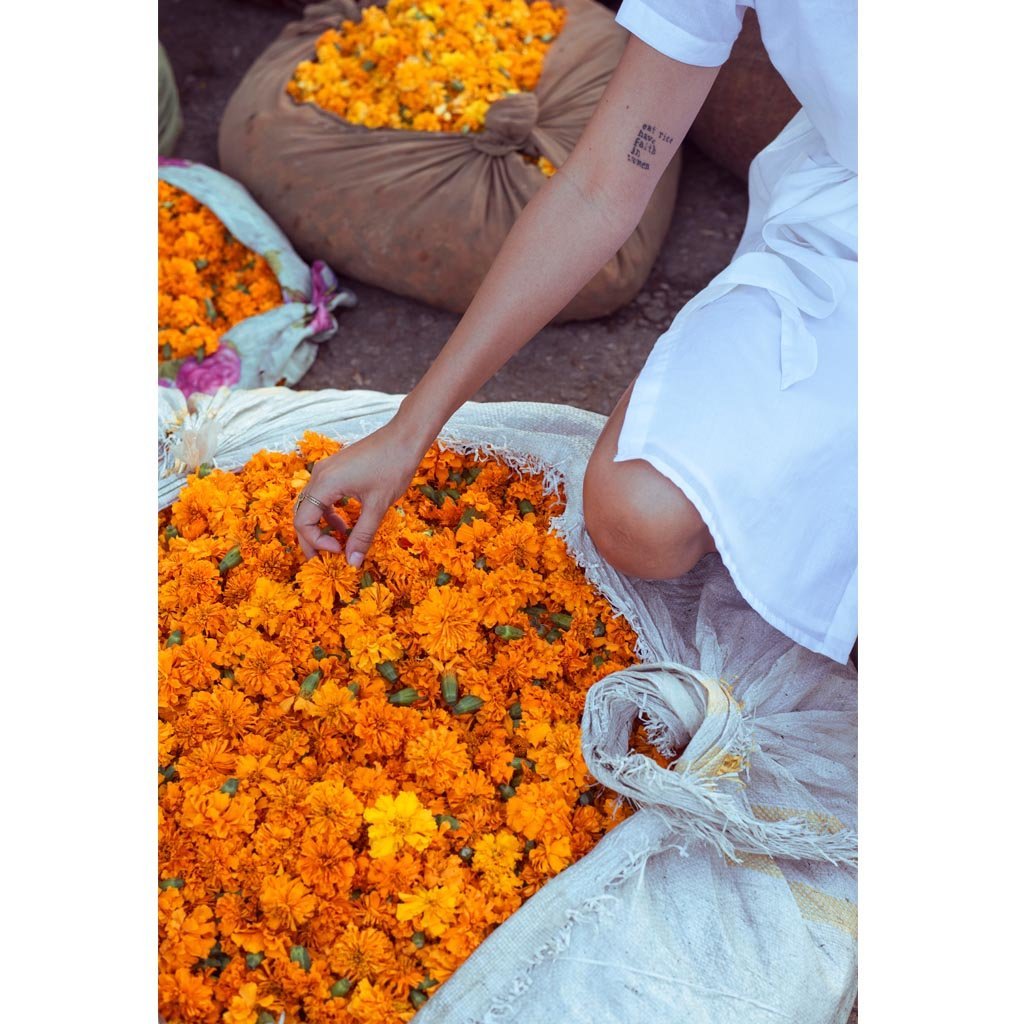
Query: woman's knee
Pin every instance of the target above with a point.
(640, 522)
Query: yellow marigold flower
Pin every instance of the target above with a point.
(433, 910)
(398, 821)
(286, 902)
(497, 853)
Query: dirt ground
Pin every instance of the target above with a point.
(387, 341)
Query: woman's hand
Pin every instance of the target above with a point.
(376, 470)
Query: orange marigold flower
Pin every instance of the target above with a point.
(373, 1004)
(360, 953)
(286, 902)
(333, 808)
(398, 821)
(326, 863)
(196, 662)
(185, 996)
(436, 756)
(265, 669)
(553, 855)
(447, 621)
(328, 576)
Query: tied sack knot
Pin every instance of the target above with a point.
(508, 125)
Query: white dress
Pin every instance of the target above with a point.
(748, 402)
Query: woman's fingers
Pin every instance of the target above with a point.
(307, 529)
(362, 533)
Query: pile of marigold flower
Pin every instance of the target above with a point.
(429, 66)
(208, 280)
(364, 771)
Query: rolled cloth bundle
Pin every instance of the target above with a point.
(421, 213)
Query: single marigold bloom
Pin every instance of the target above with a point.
(436, 756)
(361, 953)
(398, 821)
(447, 621)
(433, 910)
(373, 1004)
(326, 863)
(331, 807)
(286, 902)
(326, 577)
(185, 996)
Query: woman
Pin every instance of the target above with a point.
(739, 433)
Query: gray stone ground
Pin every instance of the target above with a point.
(387, 341)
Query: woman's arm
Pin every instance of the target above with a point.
(575, 223)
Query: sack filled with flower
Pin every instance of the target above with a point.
(402, 141)
(237, 307)
(362, 772)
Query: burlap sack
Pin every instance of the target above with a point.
(423, 214)
(748, 105)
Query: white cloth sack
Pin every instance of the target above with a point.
(281, 343)
(729, 897)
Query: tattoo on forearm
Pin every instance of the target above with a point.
(644, 145)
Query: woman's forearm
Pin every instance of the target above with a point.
(574, 224)
(562, 238)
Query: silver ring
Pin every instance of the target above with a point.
(313, 501)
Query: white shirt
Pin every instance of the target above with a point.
(811, 43)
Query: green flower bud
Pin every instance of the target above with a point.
(300, 955)
(174, 639)
(443, 578)
(467, 705)
(230, 787)
(515, 710)
(404, 697)
(171, 883)
(419, 939)
(388, 671)
(341, 987)
(417, 998)
(599, 628)
(562, 619)
(310, 683)
(526, 507)
(466, 853)
(171, 531)
(253, 960)
(450, 687)
(205, 469)
(509, 632)
(230, 560)
(506, 792)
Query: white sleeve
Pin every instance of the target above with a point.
(697, 32)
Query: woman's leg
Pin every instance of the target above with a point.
(639, 521)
